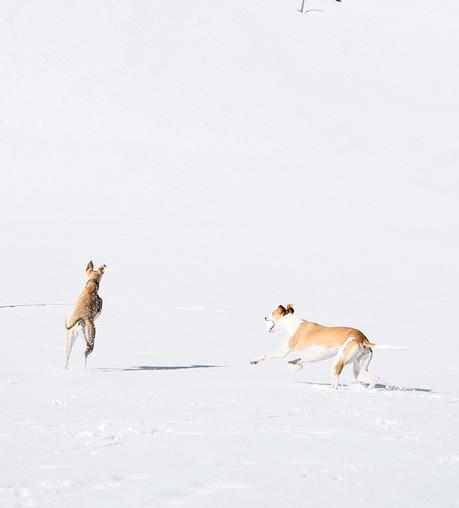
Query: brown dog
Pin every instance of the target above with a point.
(87, 309)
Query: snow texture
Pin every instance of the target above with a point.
(223, 157)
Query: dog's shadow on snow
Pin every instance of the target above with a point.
(137, 368)
(378, 386)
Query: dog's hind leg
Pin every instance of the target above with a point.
(357, 366)
(346, 354)
(361, 364)
(71, 338)
(90, 336)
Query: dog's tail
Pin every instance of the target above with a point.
(72, 324)
(389, 346)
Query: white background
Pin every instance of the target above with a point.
(222, 158)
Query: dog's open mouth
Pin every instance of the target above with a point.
(272, 325)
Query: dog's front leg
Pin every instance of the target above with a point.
(280, 353)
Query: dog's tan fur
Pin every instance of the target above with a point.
(87, 309)
(345, 343)
(309, 334)
(312, 334)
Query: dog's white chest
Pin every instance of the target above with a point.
(317, 353)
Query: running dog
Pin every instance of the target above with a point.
(87, 310)
(314, 342)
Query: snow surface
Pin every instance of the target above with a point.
(222, 158)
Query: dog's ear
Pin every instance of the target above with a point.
(282, 310)
(290, 309)
(90, 267)
(101, 269)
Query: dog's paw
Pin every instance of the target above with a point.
(373, 382)
(254, 362)
(296, 364)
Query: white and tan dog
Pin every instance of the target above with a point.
(314, 342)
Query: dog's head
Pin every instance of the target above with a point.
(92, 274)
(277, 315)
